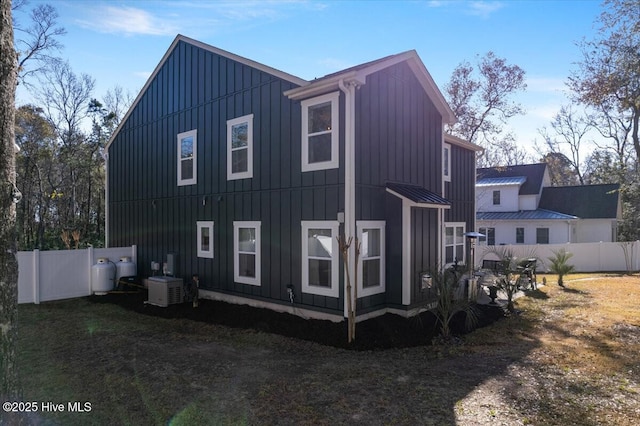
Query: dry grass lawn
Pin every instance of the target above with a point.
(570, 357)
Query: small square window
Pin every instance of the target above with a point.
(205, 239)
(240, 148)
(187, 158)
(320, 133)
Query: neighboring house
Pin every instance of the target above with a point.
(516, 205)
(250, 174)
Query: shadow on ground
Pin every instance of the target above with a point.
(383, 332)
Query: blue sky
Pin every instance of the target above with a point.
(121, 42)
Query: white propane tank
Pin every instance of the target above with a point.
(102, 276)
(125, 268)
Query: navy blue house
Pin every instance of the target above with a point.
(249, 174)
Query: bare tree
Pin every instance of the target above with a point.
(65, 98)
(37, 42)
(609, 73)
(480, 99)
(8, 198)
(568, 130)
(615, 126)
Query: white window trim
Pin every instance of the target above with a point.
(335, 121)
(230, 123)
(454, 225)
(446, 162)
(194, 179)
(236, 253)
(200, 226)
(334, 290)
(369, 291)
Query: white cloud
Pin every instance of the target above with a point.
(143, 74)
(480, 8)
(334, 64)
(546, 84)
(484, 8)
(127, 21)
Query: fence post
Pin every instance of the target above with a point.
(90, 258)
(36, 276)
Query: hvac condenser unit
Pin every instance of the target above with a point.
(164, 291)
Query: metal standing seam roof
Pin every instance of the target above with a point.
(534, 174)
(539, 214)
(585, 201)
(511, 180)
(418, 194)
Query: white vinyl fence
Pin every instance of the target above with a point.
(61, 274)
(587, 257)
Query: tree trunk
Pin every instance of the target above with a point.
(8, 195)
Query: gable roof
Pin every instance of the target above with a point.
(533, 174)
(181, 38)
(359, 73)
(585, 201)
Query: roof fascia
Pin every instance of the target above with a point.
(454, 140)
(280, 74)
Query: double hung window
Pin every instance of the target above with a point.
(246, 252)
(320, 258)
(187, 158)
(489, 238)
(320, 132)
(240, 147)
(371, 277)
(542, 235)
(454, 244)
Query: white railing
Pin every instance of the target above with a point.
(61, 274)
(587, 257)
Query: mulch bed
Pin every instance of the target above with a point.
(383, 332)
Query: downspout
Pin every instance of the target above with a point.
(106, 199)
(349, 175)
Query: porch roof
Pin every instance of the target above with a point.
(538, 214)
(417, 194)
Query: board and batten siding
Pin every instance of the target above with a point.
(199, 89)
(398, 139)
(461, 189)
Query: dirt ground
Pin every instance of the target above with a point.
(570, 357)
(383, 332)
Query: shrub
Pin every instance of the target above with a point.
(558, 265)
